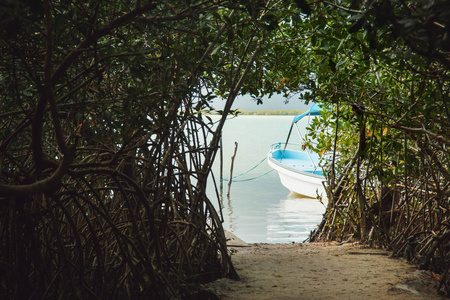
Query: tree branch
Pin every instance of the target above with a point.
(46, 185)
(48, 85)
(344, 8)
(95, 35)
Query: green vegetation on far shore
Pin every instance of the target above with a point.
(291, 112)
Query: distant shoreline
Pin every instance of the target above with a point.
(265, 112)
(272, 112)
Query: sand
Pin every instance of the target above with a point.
(322, 271)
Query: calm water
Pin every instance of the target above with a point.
(261, 209)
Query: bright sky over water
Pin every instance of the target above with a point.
(276, 102)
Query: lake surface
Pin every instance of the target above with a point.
(259, 208)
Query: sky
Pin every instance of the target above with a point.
(276, 102)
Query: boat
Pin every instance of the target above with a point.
(297, 167)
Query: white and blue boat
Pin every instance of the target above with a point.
(297, 167)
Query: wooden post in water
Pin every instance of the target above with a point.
(231, 168)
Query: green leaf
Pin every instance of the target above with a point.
(216, 49)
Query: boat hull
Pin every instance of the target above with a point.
(297, 172)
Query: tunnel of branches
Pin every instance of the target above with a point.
(106, 150)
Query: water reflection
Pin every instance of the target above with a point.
(229, 211)
(259, 210)
(228, 208)
(292, 219)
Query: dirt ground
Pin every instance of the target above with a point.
(322, 271)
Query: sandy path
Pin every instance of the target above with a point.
(322, 271)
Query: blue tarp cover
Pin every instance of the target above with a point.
(313, 111)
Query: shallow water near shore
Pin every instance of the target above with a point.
(260, 209)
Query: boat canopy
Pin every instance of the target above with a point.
(313, 111)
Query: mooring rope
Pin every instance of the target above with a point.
(256, 177)
(248, 171)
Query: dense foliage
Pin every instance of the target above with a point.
(104, 152)
(382, 70)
